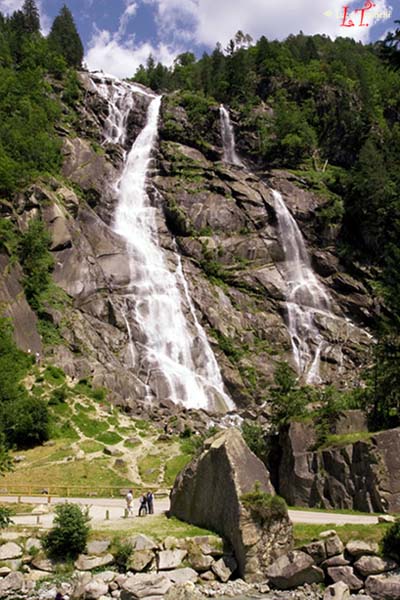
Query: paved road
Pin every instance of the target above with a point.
(114, 509)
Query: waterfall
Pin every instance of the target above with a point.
(228, 138)
(179, 364)
(305, 296)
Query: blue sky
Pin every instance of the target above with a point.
(120, 34)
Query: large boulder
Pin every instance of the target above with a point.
(294, 569)
(208, 493)
(381, 587)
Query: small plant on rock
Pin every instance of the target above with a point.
(122, 554)
(69, 535)
(264, 507)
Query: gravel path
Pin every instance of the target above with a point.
(115, 507)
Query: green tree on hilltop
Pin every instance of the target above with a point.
(64, 38)
(31, 16)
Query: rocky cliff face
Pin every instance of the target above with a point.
(222, 219)
(361, 475)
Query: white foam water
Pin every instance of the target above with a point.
(176, 356)
(228, 138)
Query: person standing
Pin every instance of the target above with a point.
(143, 505)
(150, 502)
(129, 503)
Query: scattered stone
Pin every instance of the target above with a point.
(358, 548)
(98, 546)
(182, 576)
(316, 550)
(10, 550)
(208, 576)
(142, 542)
(336, 561)
(294, 569)
(143, 585)
(140, 559)
(43, 564)
(383, 588)
(88, 563)
(210, 545)
(4, 571)
(199, 562)
(327, 534)
(386, 519)
(374, 565)
(337, 591)
(186, 591)
(170, 559)
(347, 575)
(224, 567)
(333, 545)
(95, 589)
(14, 582)
(172, 543)
(19, 458)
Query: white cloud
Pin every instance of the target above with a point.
(129, 12)
(210, 21)
(109, 54)
(9, 6)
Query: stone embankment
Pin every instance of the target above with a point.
(198, 568)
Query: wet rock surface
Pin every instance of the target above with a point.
(223, 221)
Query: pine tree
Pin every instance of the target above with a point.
(64, 38)
(31, 16)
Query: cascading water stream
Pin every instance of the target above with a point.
(180, 365)
(305, 296)
(228, 138)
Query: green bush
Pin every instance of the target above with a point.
(264, 507)
(26, 421)
(254, 436)
(68, 537)
(122, 553)
(5, 517)
(391, 541)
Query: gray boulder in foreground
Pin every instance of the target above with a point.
(208, 493)
(381, 587)
(292, 570)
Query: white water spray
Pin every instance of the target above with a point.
(228, 138)
(305, 296)
(179, 365)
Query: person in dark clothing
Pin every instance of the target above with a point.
(143, 505)
(59, 596)
(150, 502)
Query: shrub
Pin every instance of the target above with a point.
(5, 517)
(254, 436)
(26, 421)
(68, 537)
(122, 554)
(264, 507)
(391, 541)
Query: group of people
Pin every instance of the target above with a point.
(146, 503)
